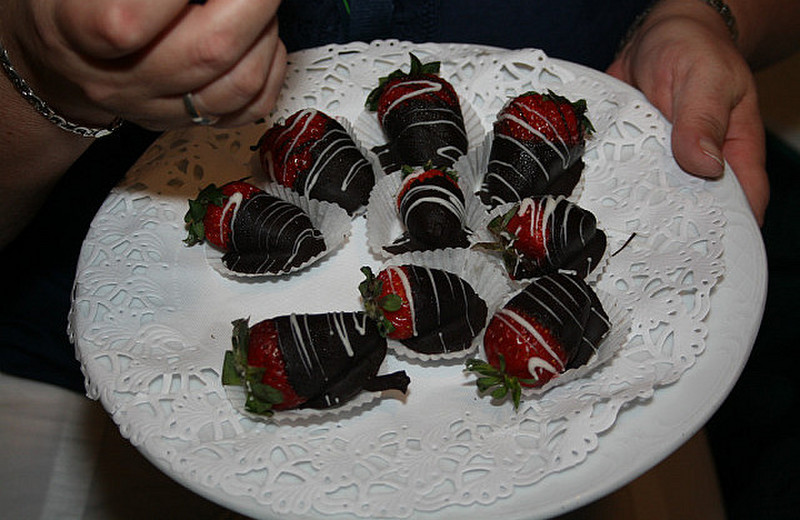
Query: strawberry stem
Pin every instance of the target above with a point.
(496, 381)
(374, 304)
(211, 194)
(261, 397)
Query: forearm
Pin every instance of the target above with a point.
(768, 30)
(35, 154)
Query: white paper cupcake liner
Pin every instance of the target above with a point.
(384, 225)
(330, 219)
(488, 281)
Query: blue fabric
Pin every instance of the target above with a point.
(581, 31)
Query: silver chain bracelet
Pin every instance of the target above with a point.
(718, 5)
(727, 15)
(44, 109)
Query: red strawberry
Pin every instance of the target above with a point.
(545, 117)
(420, 113)
(542, 234)
(538, 146)
(307, 361)
(314, 155)
(428, 310)
(210, 214)
(426, 174)
(400, 85)
(286, 149)
(258, 232)
(527, 230)
(263, 351)
(553, 325)
(387, 302)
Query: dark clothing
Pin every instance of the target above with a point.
(582, 31)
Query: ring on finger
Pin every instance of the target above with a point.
(197, 118)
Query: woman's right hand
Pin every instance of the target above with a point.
(94, 60)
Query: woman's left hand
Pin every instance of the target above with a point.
(687, 65)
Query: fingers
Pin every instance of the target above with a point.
(210, 39)
(717, 119)
(230, 58)
(744, 149)
(138, 58)
(250, 90)
(243, 82)
(112, 29)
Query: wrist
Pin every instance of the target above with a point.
(41, 106)
(716, 15)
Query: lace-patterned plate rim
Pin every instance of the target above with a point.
(641, 436)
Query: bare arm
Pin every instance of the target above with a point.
(35, 154)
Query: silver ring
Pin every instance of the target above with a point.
(188, 103)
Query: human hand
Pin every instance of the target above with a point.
(93, 60)
(686, 64)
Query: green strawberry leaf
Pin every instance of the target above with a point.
(240, 339)
(230, 372)
(266, 394)
(254, 405)
(261, 397)
(211, 194)
(385, 327)
(500, 393)
(391, 303)
(495, 381)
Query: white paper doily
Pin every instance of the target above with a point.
(151, 321)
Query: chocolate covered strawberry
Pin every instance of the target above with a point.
(430, 311)
(307, 361)
(431, 206)
(420, 114)
(540, 235)
(537, 148)
(258, 232)
(554, 324)
(314, 155)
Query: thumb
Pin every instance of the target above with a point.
(700, 116)
(712, 125)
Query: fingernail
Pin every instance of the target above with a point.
(712, 150)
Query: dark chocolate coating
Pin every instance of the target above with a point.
(339, 172)
(566, 305)
(432, 211)
(270, 235)
(519, 169)
(329, 358)
(422, 131)
(448, 312)
(574, 243)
